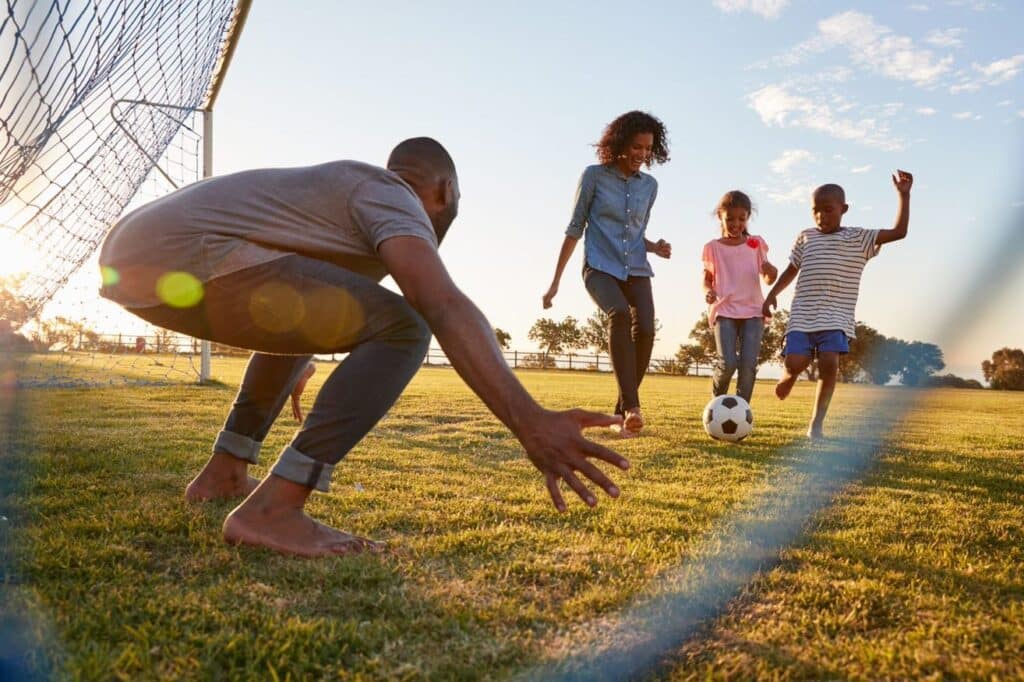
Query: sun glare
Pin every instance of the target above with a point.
(16, 256)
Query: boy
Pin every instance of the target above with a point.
(830, 259)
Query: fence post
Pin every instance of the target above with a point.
(515, 359)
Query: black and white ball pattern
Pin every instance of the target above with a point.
(728, 417)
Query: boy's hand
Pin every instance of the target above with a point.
(902, 180)
(710, 296)
(769, 303)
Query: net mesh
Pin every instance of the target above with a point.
(99, 112)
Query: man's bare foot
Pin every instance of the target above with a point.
(287, 529)
(223, 477)
(784, 386)
(634, 421)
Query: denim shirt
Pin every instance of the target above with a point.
(613, 211)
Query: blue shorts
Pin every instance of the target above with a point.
(812, 343)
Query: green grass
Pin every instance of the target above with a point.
(916, 570)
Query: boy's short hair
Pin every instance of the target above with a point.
(832, 190)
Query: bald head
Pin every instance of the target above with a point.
(423, 157)
(428, 168)
(830, 191)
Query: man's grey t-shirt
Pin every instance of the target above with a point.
(339, 212)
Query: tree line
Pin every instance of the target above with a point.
(874, 358)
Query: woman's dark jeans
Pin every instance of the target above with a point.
(629, 306)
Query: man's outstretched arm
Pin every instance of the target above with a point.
(552, 440)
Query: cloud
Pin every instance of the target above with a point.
(1021, 113)
(976, 5)
(871, 46)
(1004, 102)
(1001, 70)
(918, 7)
(861, 169)
(769, 9)
(793, 194)
(948, 38)
(790, 158)
(966, 116)
(926, 111)
(779, 107)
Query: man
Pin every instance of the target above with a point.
(286, 262)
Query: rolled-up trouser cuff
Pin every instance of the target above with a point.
(237, 445)
(296, 467)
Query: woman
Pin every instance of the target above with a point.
(613, 206)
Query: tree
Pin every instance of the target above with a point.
(774, 338)
(918, 360)
(13, 308)
(503, 337)
(1005, 371)
(690, 354)
(952, 381)
(556, 337)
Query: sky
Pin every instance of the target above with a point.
(773, 97)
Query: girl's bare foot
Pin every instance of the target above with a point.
(223, 477)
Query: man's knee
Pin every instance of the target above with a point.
(828, 365)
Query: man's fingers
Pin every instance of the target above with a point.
(577, 485)
(598, 477)
(587, 419)
(592, 449)
(551, 481)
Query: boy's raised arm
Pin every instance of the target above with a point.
(903, 181)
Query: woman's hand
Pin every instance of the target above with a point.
(550, 294)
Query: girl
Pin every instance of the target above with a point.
(613, 206)
(732, 264)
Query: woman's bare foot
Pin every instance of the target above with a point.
(623, 432)
(815, 433)
(223, 477)
(634, 421)
(273, 517)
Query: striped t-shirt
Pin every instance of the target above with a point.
(830, 267)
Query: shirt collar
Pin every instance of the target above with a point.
(614, 170)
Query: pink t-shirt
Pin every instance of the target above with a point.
(737, 273)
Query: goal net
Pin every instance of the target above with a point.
(102, 108)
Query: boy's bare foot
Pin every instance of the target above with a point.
(634, 421)
(815, 433)
(223, 477)
(785, 385)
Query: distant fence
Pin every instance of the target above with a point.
(169, 342)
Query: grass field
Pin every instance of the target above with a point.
(914, 570)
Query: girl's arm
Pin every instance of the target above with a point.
(709, 287)
(568, 245)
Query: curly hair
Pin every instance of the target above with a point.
(620, 132)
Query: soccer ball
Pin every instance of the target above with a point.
(728, 417)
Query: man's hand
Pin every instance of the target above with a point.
(549, 295)
(769, 303)
(556, 446)
(902, 180)
(300, 386)
(710, 296)
(662, 248)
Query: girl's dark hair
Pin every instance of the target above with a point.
(735, 199)
(620, 133)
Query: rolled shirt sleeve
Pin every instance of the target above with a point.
(581, 207)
